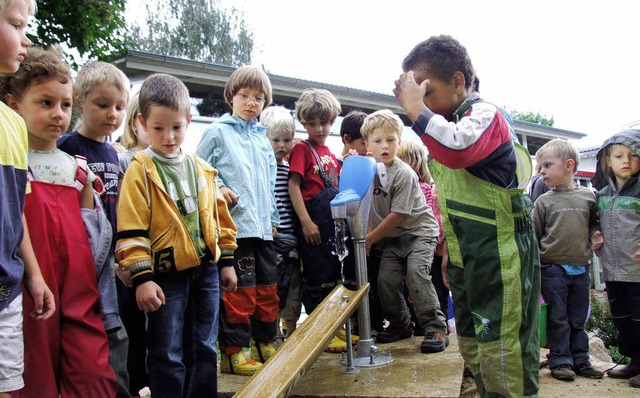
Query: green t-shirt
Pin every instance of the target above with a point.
(180, 181)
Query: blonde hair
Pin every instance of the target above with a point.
(278, 120)
(32, 7)
(129, 137)
(415, 155)
(95, 73)
(248, 77)
(559, 148)
(382, 119)
(317, 103)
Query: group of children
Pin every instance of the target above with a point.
(218, 247)
(571, 222)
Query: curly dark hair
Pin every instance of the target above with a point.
(39, 66)
(443, 56)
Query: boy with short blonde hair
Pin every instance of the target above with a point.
(407, 231)
(175, 235)
(563, 220)
(100, 96)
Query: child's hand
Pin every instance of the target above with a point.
(124, 275)
(410, 94)
(149, 296)
(229, 196)
(596, 242)
(228, 279)
(311, 233)
(637, 255)
(43, 301)
(368, 244)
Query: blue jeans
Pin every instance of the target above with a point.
(567, 297)
(182, 357)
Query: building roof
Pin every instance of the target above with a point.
(207, 80)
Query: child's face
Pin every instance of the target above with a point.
(359, 145)
(623, 162)
(555, 172)
(13, 40)
(103, 111)
(247, 104)
(441, 97)
(317, 130)
(281, 143)
(383, 145)
(46, 109)
(166, 128)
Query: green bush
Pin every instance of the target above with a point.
(601, 325)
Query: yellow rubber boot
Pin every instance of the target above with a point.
(238, 364)
(261, 352)
(342, 335)
(336, 345)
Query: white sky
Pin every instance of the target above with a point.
(572, 60)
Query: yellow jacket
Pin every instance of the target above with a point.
(151, 233)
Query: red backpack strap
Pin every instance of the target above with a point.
(82, 172)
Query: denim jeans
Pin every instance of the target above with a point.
(567, 297)
(182, 357)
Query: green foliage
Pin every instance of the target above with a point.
(95, 28)
(212, 107)
(196, 30)
(617, 357)
(532, 117)
(602, 326)
(600, 322)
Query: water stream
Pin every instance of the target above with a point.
(340, 243)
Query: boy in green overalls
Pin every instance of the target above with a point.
(480, 174)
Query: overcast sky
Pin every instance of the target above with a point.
(568, 59)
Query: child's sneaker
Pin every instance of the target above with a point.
(391, 335)
(238, 364)
(260, 352)
(336, 345)
(342, 335)
(434, 342)
(587, 370)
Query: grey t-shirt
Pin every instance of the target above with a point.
(562, 221)
(402, 194)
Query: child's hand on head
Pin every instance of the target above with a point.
(410, 94)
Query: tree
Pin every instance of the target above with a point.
(95, 28)
(531, 117)
(194, 29)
